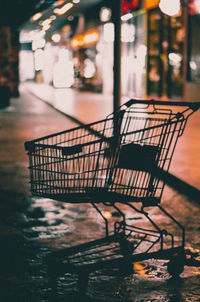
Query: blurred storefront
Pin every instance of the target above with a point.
(9, 53)
(192, 83)
(165, 44)
(159, 53)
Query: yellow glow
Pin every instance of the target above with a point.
(59, 2)
(36, 17)
(87, 39)
(149, 4)
(62, 10)
(91, 37)
(140, 269)
(46, 27)
(107, 214)
(77, 41)
(46, 22)
(66, 28)
(74, 43)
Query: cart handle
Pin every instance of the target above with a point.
(69, 150)
(192, 105)
(66, 150)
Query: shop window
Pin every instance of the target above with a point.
(194, 49)
(165, 53)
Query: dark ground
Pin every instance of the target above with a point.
(32, 227)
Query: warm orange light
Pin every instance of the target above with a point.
(74, 43)
(88, 39)
(91, 37)
(59, 2)
(36, 17)
(140, 269)
(46, 24)
(77, 41)
(62, 10)
(107, 214)
(149, 4)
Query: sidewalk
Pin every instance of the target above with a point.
(32, 227)
(86, 107)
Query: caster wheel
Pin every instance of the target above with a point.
(176, 265)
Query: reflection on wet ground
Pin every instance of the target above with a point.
(32, 227)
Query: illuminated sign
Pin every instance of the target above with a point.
(128, 5)
(89, 38)
(194, 7)
(149, 4)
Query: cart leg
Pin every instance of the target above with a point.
(176, 264)
(126, 268)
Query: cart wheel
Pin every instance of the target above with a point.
(176, 264)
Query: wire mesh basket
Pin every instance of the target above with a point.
(120, 158)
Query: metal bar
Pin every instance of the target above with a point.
(113, 263)
(192, 105)
(176, 222)
(116, 14)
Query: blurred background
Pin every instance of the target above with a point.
(69, 44)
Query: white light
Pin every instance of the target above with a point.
(70, 18)
(105, 14)
(39, 59)
(170, 7)
(36, 17)
(46, 22)
(52, 17)
(29, 36)
(126, 17)
(141, 50)
(197, 5)
(63, 9)
(63, 74)
(174, 58)
(141, 56)
(108, 32)
(38, 43)
(75, 1)
(193, 65)
(89, 69)
(26, 65)
(128, 32)
(55, 38)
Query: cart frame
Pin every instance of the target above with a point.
(89, 164)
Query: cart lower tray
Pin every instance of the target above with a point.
(110, 252)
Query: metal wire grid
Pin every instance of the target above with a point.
(127, 243)
(54, 173)
(116, 159)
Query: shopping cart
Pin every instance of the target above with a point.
(122, 159)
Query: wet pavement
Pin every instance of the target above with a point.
(87, 107)
(31, 228)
